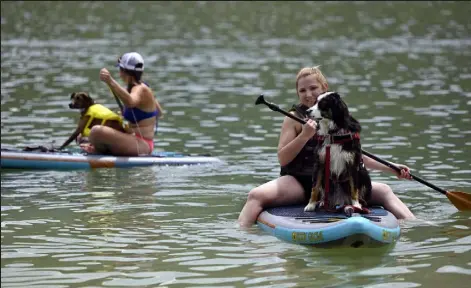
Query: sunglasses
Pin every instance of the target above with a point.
(119, 62)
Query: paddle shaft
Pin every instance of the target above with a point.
(418, 179)
(275, 107)
(117, 101)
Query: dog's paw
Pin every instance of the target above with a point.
(348, 210)
(310, 207)
(88, 148)
(356, 204)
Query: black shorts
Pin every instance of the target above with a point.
(305, 181)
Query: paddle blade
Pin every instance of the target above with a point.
(260, 100)
(461, 200)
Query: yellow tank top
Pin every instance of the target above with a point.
(98, 111)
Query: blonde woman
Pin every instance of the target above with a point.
(295, 156)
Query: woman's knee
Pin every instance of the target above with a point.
(98, 132)
(381, 191)
(382, 187)
(256, 194)
(95, 132)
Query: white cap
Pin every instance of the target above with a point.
(131, 61)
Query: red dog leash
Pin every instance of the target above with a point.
(327, 173)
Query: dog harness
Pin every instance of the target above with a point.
(329, 140)
(98, 111)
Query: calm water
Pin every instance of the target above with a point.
(403, 68)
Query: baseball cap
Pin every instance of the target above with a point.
(131, 61)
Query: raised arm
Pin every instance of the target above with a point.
(290, 143)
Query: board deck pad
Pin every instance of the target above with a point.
(297, 211)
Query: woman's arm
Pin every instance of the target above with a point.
(372, 164)
(375, 165)
(290, 144)
(159, 108)
(129, 99)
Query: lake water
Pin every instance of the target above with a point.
(402, 67)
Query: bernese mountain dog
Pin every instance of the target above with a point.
(341, 180)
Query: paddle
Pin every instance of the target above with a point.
(117, 100)
(461, 200)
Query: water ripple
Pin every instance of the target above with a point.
(403, 76)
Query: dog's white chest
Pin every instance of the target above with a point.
(338, 158)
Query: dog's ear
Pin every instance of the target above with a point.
(343, 105)
(72, 95)
(87, 99)
(339, 109)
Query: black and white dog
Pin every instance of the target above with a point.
(344, 182)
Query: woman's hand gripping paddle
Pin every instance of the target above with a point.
(461, 200)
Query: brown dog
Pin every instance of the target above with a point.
(91, 114)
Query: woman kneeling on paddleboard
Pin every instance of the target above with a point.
(295, 181)
(141, 110)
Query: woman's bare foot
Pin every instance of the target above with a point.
(87, 147)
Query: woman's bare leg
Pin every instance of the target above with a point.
(285, 190)
(382, 194)
(108, 140)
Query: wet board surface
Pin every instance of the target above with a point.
(64, 161)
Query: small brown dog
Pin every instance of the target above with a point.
(91, 114)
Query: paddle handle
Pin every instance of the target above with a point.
(394, 167)
(275, 107)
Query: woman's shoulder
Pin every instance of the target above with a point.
(143, 89)
(289, 122)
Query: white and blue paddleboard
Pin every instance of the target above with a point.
(75, 161)
(325, 229)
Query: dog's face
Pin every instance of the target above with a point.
(80, 100)
(330, 106)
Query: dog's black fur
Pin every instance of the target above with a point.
(82, 101)
(350, 182)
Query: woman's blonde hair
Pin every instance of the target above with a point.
(306, 71)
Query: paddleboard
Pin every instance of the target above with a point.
(75, 161)
(324, 229)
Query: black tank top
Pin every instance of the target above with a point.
(303, 163)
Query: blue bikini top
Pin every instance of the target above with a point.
(134, 115)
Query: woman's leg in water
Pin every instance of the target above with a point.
(382, 194)
(284, 190)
